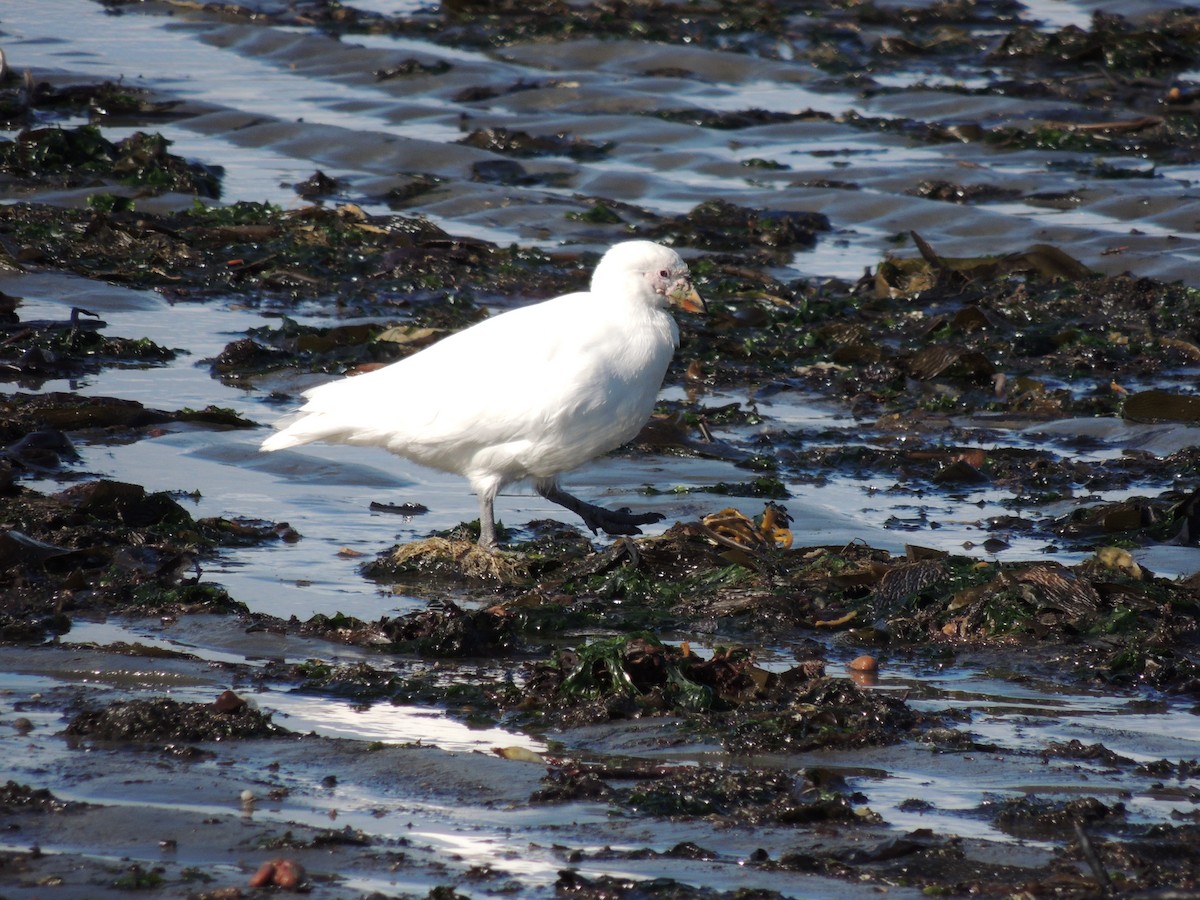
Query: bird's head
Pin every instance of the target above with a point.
(648, 270)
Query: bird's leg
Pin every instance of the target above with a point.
(611, 521)
(487, 520)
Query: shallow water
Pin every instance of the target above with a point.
(304, 102)
(1019, 718)
(273, 105)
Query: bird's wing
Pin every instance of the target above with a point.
(488, 384)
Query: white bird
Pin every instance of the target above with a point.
(527, 394)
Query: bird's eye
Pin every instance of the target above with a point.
(664, 274)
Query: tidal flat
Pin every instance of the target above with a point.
(921, 617)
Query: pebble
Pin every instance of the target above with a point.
(284, 873)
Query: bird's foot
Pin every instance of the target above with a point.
(597, 518)
(616, 521)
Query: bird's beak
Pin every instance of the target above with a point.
(683, 295)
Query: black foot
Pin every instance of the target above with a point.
(615, 521)
(597, 518)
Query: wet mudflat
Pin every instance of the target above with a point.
(921, 618)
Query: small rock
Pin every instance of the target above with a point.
(229, 702)
(284, 873)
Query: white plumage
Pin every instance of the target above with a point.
(527, 394)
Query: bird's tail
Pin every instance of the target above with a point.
(305, 429)
(280, 440)
(342, 412)
(323, 417)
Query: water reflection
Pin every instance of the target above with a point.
(389, 724)
(106, 634)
